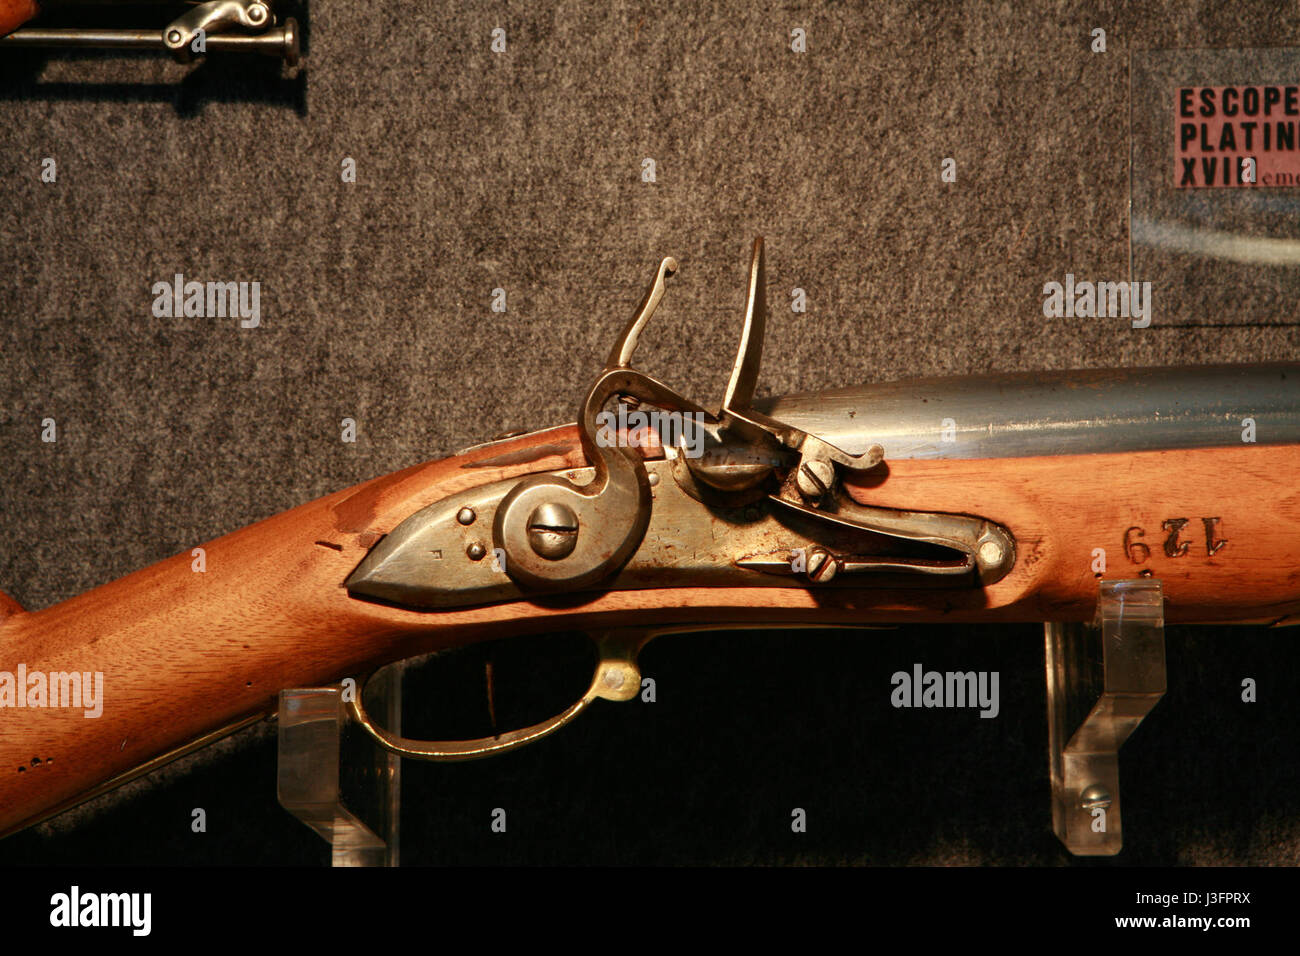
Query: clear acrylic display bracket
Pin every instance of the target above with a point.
(334, 779)
(1101, 682)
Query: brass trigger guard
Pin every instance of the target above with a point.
(617, 677)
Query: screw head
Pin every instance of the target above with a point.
(821, 565)
(990, 553)
(174, 37)
(553, 531)
(1094, 797)
(476, 551)
(466, 515)
(815, 479)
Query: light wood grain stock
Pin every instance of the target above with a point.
(14, 13)
(184, 653)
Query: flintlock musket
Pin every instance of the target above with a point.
(960, 500)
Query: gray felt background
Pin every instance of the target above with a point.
(522, 171)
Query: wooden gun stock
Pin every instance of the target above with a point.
(14, 13)
(187, 652)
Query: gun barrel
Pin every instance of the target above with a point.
(1056, 413)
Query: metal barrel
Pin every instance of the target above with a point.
(1055, 413)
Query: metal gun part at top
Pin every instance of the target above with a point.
(215, 26)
